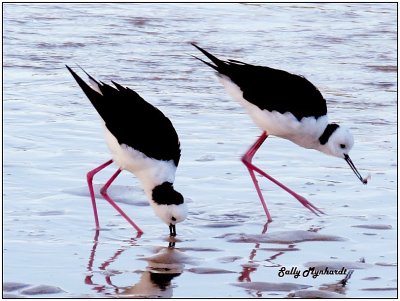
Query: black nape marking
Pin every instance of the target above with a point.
(165, 194)
(330, 128)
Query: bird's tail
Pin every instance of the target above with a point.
(94, 96)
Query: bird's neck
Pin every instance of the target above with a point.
(323, 140)
(323, 148)
(164, 171)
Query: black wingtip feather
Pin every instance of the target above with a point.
(219, 64)
(238, 62)
(88, 75)
(207, 63)
(94, 96)
(118, 86)
(84, 86)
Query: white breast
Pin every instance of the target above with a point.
(149, 171)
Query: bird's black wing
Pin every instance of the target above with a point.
(272, 89)
(133, 121)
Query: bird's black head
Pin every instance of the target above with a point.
(165, 194)
(169, 205)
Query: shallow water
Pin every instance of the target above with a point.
(52, 137)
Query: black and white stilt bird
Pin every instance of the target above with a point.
(143, 141)
(284, 105)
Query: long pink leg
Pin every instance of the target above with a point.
(89, 177)
(247, 160)
(104, 193)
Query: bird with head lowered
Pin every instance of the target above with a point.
(143, 141)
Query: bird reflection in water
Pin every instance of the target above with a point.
(155, 281)
(335, 289)
(252, 267)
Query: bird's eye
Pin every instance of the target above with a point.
(342, 146)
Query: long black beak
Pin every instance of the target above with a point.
(353, 167)
(172, 230)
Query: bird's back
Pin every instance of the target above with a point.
(133, 121)
(140, 125)
(277, 90)
(271, 89)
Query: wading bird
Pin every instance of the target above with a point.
(284, 105)
(143, 141)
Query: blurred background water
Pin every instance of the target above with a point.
(52, 137)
